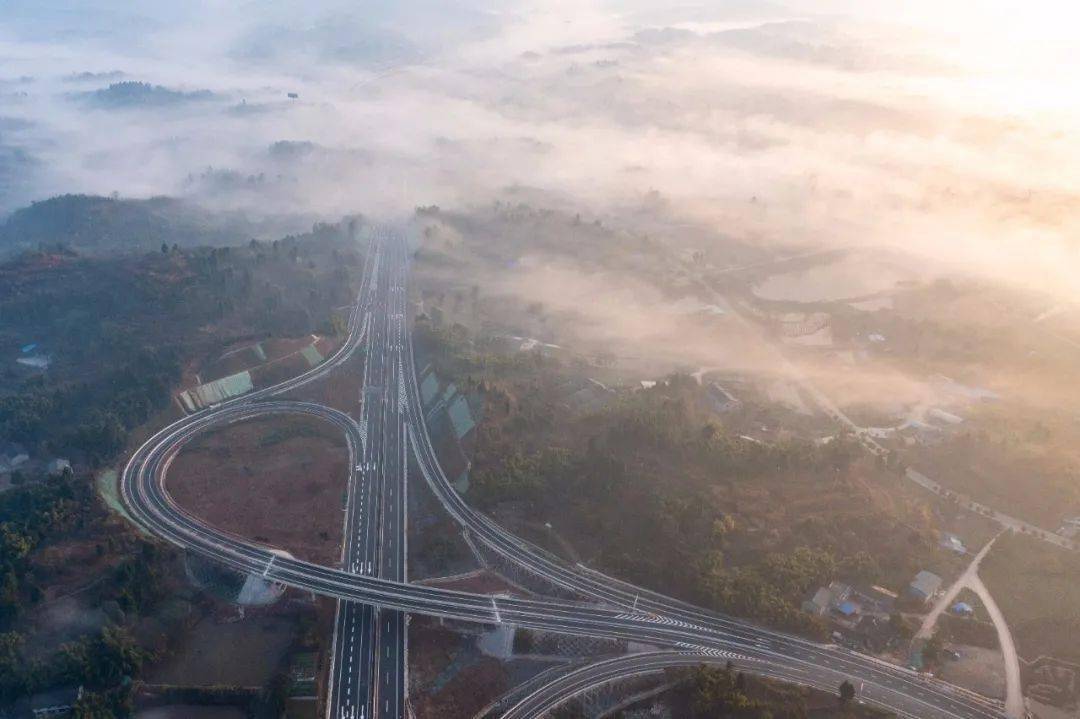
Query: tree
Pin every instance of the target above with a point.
(524, 641)
(105, 660)
(901, 626)
(101, 435)
(14, 544)
(277, 693)
(93, 706)
(933, 648)
(847, 692)
(12, 666)
(716, 692)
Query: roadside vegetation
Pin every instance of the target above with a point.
(709, 691)
(84, 598)
(706, 691)
(655, 488)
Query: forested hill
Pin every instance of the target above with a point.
(94, 225)
(118, 331)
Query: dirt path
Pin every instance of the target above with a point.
(946, 599)
(1014, 695)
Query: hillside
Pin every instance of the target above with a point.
(103, 339)
(91, 350)
(90, 224)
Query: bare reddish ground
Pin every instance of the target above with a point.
(69, 565)
(276, 347)
(467, 693)
(327, 345)
(340, 389)
(279, 370)
(279, 480)
(236, 360)
(431, 650)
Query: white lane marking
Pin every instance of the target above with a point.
(269, 564)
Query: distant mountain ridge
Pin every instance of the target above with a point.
(91, 224)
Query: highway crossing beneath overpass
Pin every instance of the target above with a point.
(603, 606)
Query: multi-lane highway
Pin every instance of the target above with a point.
(386, 432)
(368, 676)
(542, 697)
(351, 689)
(610, 608)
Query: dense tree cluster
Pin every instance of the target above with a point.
(654, 477)
(103, 663)
(632, 482)
(119, 331)
(27, 516)
(712, 692)
(721, 692)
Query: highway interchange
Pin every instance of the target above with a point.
(370, 652)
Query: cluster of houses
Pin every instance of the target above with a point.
(13, 457)
(16, 461)
(31, 356)
(861, 614)
(847, 603)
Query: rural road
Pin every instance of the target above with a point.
(1006, 521)
(946, 599)
(1014, 695)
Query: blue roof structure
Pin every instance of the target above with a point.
(963, 608)
(925, 584)
(847, 609)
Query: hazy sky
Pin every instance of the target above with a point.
(942, 128)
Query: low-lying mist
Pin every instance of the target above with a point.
(815, 124)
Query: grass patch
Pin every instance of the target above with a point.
(1038, 589)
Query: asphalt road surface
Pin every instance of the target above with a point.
(368, 678)
(351, 688)
(386, 431)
